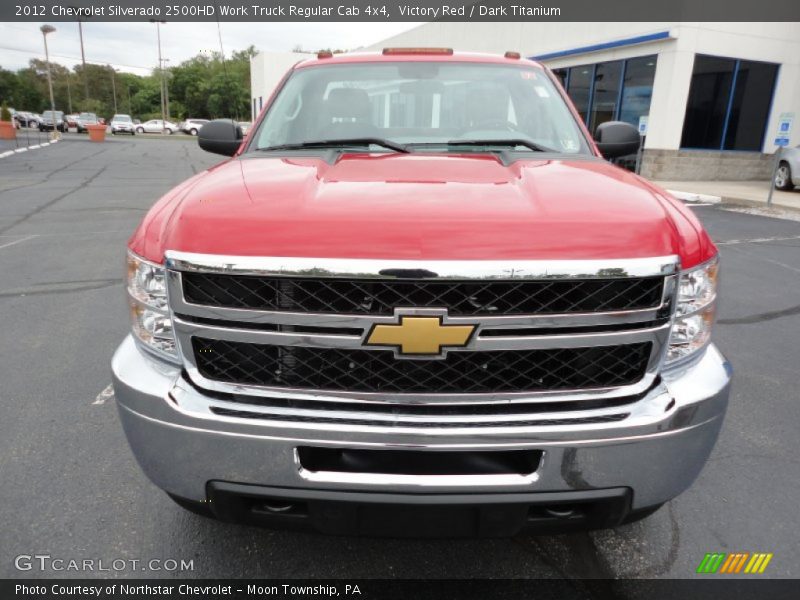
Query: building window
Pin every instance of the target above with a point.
(605, 97)
(580, 88)
(708, 102)
(611, 91)
(752, 98)
(728, 105)
(637, 89)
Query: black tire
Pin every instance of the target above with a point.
(783, 177)
(641, 513)
(139, 130)
(193, 506)
(193, 131)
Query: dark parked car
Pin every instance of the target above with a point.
(53, 120)
(26, 119)
(84, 119)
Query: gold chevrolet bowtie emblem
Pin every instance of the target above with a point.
(414, 335)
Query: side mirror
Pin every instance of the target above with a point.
(617, 138)
(221, 136)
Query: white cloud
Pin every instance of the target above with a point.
(132, 46)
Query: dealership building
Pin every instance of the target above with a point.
(709, 97)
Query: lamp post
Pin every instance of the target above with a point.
(114, 87)
(69, 95)
(45, 29)
(83, 62)
(166, 75)
(83, 55)
(160, 72)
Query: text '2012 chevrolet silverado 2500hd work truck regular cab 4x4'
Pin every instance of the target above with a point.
(417, 300)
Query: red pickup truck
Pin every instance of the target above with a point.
(418, 300)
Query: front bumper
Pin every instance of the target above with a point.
(655, 453)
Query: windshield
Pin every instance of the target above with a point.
(426, 103)
(123, 118)
(48, 114)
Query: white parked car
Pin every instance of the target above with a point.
(788, 173)
(122, 124)
(156, 126)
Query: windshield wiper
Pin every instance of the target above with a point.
(362, 141)
(508, 143)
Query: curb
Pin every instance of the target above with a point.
(746, 204)
(694, 198)
(25, 149)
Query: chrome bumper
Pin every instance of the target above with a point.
(657, 451)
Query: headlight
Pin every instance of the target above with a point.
(694, 315)
(147, 296)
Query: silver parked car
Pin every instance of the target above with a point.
(192, 126)
(156, 126)
(788, 173)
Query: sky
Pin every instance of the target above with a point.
(132, 47)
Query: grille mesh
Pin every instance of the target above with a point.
(380, 297)
(459, 372)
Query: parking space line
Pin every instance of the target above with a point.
(70, 233)
(30, 237)
(758, 240)
(106, 394)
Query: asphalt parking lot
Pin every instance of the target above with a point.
(71, 487)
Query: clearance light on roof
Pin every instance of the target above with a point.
(392, 51)
(513, 55)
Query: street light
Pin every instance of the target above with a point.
(69, 95)
(160, 72)
(166, 75)
(77, 11)
(45, 29)
(83, 62)
(114, 86)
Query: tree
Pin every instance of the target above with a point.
(205, 86)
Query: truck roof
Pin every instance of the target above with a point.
(414, 55)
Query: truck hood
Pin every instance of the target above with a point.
(400, 206)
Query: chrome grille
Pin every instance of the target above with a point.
(379, 297)
(459, 372)
(576, 340)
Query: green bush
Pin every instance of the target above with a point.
(5, 114)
